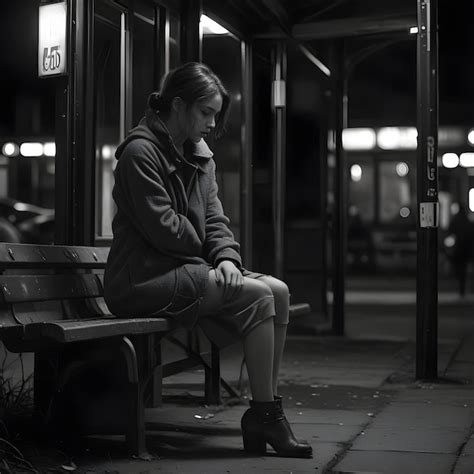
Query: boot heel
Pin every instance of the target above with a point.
(255, 445)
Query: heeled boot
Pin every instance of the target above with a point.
(279, 400)
(265, 422)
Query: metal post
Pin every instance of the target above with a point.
(246, 162)
(74, 175)
(427, 192)
(279, 153)
(190, 31)
(339, 215)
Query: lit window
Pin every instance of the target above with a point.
(450, 160)
(358, 139)
(467, 160)
(49, 149)
(31, 149)
(395, 138)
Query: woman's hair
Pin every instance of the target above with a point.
(192, 82)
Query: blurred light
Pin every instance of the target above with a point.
(331, 140)
(450, 160)
(467, 160)
(454, 208)
(107, 152)
(404, 212)
(413, 30)
(358, 138)
(20, 206)
(402, 169)
(31, 149)
(331, 160)
(470, 137)
(49, 149)
(471, 199)
(451, 136)
(10, 149)
(211, 27)
(394, 138)
(356, 172)
(450, 241)
(322, 67)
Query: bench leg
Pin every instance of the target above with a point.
(135, 435)
(213, 378)
(44, 376)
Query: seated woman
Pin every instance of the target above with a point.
(174, 256)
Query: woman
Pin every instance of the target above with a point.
(173, 254)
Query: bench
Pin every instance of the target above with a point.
(51, 304)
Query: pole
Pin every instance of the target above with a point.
(427, 192)
(279, 153)
(340, 212)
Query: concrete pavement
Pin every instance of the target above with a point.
(354, 398)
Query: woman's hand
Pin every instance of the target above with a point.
(229, 275)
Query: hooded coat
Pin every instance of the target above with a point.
(169, 228)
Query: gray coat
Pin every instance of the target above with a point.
(166, 237)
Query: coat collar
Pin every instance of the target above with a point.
(197, 154)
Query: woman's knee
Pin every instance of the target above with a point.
(281, 294)
(257, 289)
(279, 288)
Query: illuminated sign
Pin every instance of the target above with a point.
(52, 39)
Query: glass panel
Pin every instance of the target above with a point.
(361, 188)
(143, 59)
(222, 54)
(28, 115)
(396, 192)
(107, 67)
(174, 40)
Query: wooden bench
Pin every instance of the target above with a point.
(51, 303)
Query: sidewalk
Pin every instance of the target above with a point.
(354, 398)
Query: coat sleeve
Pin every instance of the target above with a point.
(220, 243)
(150, 207)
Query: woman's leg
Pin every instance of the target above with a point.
(258, 344)
(281, 295)
(264, 422)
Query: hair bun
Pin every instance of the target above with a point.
(155, 101)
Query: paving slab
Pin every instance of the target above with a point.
(468, 449)
(389, 462)
(410, 440)
(423, 416)
(464, 464)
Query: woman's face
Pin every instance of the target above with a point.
(200, 119)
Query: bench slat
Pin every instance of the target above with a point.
(14, 256)
(83, 330)
(28, 288)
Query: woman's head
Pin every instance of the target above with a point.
(194, 96)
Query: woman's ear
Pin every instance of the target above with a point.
(177, 104)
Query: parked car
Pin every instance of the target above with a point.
(22, 222)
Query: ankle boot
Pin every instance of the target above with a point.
(265, 422)
(279, 401)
